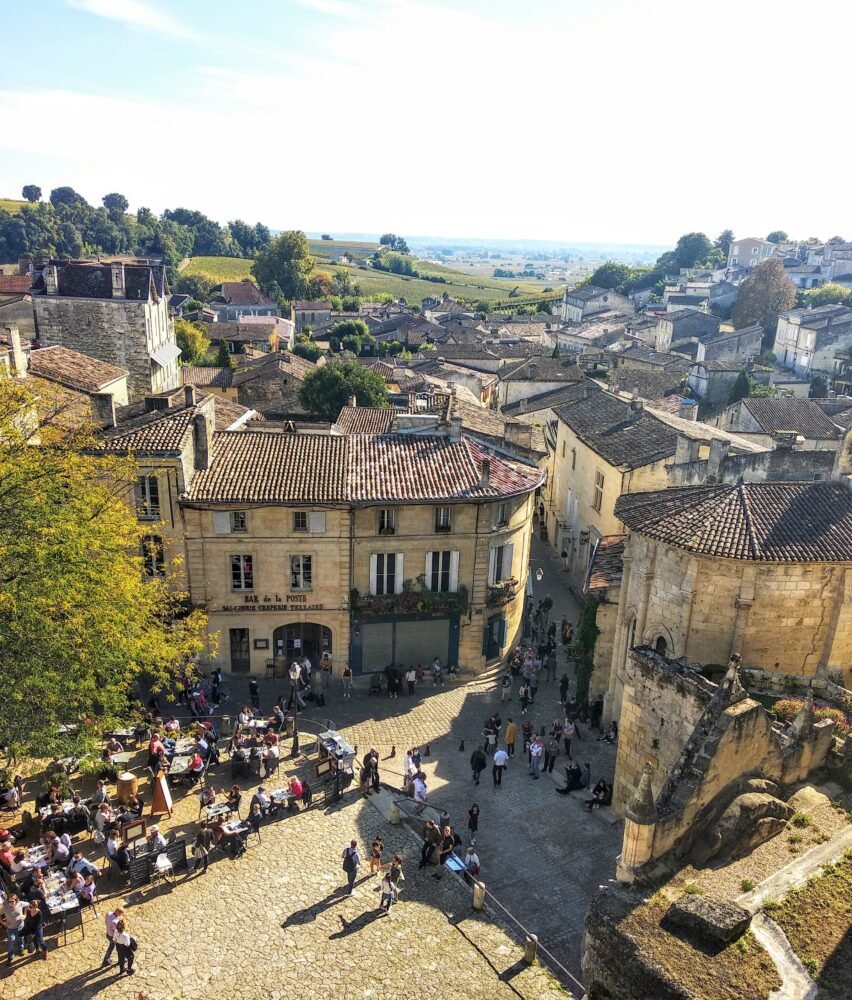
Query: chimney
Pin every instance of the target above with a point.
(522, 404)
(19, 358)
(190, 396)
(786, 440)
(533, 370)
(202, 438)
(352, 401)
(103, 403)
(686, 450)
(51, 280)
(485, 474)
(687, 409)
(455, 429)
(637, 407)
(118, 287)
(452, 387)
(153, 403)
(718, 454)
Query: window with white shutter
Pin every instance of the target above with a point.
(221, 522)
(442, 571)
(316, 522)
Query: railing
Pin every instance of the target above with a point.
(500, 593)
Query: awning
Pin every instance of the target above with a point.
(165, 354)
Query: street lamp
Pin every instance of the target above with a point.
(294, 672)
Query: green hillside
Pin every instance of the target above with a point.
(323, 250)
(12, 205)
(467, 286)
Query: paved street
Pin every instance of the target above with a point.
(275, 923)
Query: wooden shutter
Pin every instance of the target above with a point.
(428, 570)
(454, 572)
(221, 522)
(492, 564)
(508, 552)
(316, 522)
(501, 638)
(399, 573)
(373, 561)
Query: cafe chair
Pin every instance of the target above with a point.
(270, 670)
(253, 833)
(163, 869)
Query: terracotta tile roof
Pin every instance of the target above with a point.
(234, 331)
(765, 522)
(554, 397)
(365, 419)
(790, 414)
(244, 293)
(220, 378)
(623, 436)
(559, 369)
(650, 385)
(586, 292)
(73, 369)
(158, 431)
(303, 305)
(272, 364)
(14, 284)
(262, 467)
(228, 412)
(607, 565)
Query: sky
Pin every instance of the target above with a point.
(600, 120)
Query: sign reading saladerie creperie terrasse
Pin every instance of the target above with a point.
(290, 602)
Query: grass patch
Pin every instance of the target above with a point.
(795, 838)
(747, 884)
(219, 269)
(801, 819)
(816, 920)
(691, 889)
(772, 905)
(12, 205)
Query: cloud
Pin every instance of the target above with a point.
(134, 14)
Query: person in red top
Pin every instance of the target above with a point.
(196, 766)
(156, 748)
(271, 739)
(296, 791)
(6, 855)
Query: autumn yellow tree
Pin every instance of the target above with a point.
(80, 622)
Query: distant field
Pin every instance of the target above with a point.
(413, 290)
(12, 205)
(219, 269)
(324, 249)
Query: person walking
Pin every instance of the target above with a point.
(110, 921)
(473, 821)
(347, 682)
(524, 695)
(570, 732)
(411, 679)
(536, 751)
(351, 861)
(551, 752)
(490, 734)
(511, 736)
(126, 946)
(376, 855)
(420, 792)
(387, 888)
(254, 693)
(501, 758)
(564, 684)
(33, 931)
(12, 918)
(506, 687)
(477, 763)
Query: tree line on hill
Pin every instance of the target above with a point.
(68, 226)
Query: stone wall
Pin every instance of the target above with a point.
(274, 394)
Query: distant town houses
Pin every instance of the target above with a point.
(580, 303)
(811, 341)
(311, 313)
(241, 298)
(748, 253)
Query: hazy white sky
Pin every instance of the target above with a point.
(602, 120)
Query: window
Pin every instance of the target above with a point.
(442, 519)
(597, 502)
(500, 563)
(301, 575)
(148, 498)
(242, 573)
(153, 556)
(442, 571)
(501, 515)
(661, 645)
(387, 521)
(300, 520)
(386, 569)
(238, 520)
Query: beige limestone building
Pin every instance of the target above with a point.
(763, 570)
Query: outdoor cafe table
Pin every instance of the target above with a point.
(235, 829)
(121, 758)
(60, 904)
(180, 765)
(258, 725)
(217, 809)
(67, 806)
(282, 796)
(183, 746)
(122, 734)
(37, 856)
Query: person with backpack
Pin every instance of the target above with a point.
(351, 861)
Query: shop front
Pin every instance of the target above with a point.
(404, 640)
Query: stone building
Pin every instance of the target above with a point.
(380, 549)
(761, 419)
(763, 570)
(311, 313)
(118, 313)
(241, 298)
(810, 340)
(16, 304)
(580, 303)
(272, 384)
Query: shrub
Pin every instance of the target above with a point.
(691, 889)
(801, 819)
(747, 884)
(771, 905)
(786, 709)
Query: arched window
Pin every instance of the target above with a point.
(153, 555)
(661, 646)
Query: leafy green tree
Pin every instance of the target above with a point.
(819, 387)
(326, 390)
(827, 295)
(66, 196)
(116, 203)
(320, 285)
(394, 242)
(763, 296)
(286, 263)
(724, 241)
(352, 343)
(306, 348)
(350, 327)
(777, 236)
(747, 387)
(197, 285)
(32, 192)
(80, 622)
(193, 342)
(326, 236)
(224, 358)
